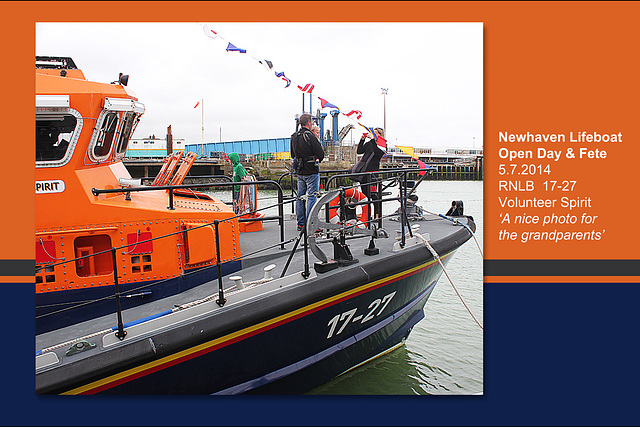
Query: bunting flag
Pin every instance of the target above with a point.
(209, 33)
(370, 130)
(421, 165)
(408, 150)
(267, 64)
(354, 115)
(197, 103)
(380, 141)
(357, 113)
(283, 77)
(232, 48)
(308, 88)
(326, 104)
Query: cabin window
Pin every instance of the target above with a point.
(130, 122)
(114, 127)
(106, 135)
(56, 137)
(45, 274)
(141, 264)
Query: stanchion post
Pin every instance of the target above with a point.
(121, 332)
(306, 272)
(220, 301)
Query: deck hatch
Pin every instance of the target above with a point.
(45, 251)
(200, 243)
(139, 244)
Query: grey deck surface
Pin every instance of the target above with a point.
(253, 264)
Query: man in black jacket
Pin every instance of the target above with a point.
(307, 153)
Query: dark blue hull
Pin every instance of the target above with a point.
(342, 356)
(288, 353)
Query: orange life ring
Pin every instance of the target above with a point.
(350, 193)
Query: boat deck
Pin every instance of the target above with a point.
(254, 261)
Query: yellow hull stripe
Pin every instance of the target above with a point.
(246, 331)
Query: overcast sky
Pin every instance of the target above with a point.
(433, 73)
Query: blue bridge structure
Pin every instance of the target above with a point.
(248, 147)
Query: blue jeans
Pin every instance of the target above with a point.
(306, 184)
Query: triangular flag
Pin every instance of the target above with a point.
(283, 77)
(370, 130)
(382, 143)
(326, 104)
(308, 88)
(267, 64)
(408, 150)
(232, 48)
(209, 33)
(421, 165)
(358, 114)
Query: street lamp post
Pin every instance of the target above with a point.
(202, 138)
(384, 104)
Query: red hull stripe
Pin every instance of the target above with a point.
(199, 350)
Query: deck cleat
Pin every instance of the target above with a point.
(79, 347)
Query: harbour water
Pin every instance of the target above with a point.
(444, 353)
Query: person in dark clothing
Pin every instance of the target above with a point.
(370, 162)
(371, 153)
(307, 153)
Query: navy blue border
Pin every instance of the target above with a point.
(554, 354)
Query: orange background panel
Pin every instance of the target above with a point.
(17, 279)
(550, 67)
(557, 68)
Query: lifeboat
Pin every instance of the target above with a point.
(154, 289)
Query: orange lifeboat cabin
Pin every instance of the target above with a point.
(167, 240)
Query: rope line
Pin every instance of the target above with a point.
(173, 310)
(456, 221)
(73, 341)
(46, 252)
(435, 255)
(134, 246)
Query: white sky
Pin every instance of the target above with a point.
(433, 72)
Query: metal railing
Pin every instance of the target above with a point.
(397, 176)
(291, 175)
(378, 178)
(118, 295)
(216, 224)
(171, 189)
